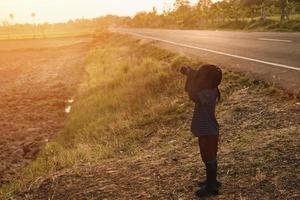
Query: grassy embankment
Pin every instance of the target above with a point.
(126, 87)
(131, 104)
(272, 23)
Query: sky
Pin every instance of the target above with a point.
(63, 10)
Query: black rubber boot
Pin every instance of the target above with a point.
(203, 183)
(218, 184)
(206, 191)
(211, 187)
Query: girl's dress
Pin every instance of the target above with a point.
(204, 119)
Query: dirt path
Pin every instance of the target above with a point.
(35, 85)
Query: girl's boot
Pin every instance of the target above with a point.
(212, 186)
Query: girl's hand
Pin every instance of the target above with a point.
(184, 70)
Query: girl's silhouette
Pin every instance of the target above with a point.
(202, 88)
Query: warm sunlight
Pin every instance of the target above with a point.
(149, 99)
(60, 11)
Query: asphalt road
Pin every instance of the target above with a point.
(273, 57)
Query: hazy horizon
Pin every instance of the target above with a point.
(53, 11)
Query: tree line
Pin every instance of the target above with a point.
(183, 15)
(206, 12)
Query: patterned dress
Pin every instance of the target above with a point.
(204, 120)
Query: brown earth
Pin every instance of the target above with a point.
(36, 44)
(259, 157)
(37, 77)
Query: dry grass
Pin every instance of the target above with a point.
(127, 136)
(49, 35)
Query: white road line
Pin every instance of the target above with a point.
(216, 52)
(275, 40)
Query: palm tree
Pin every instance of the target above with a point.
(283, 4)
(11, 16)
(33, 15)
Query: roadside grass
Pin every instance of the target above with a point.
(292, 17)
(122, 92)
(131, 102)
(272, 23)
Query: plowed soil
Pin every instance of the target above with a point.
(37, 77)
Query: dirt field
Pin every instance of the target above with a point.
(36, 44)
(37, 77)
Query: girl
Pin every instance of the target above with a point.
(202, 88)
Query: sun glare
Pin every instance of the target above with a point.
(61, 11)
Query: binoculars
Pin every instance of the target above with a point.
(184, 69)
